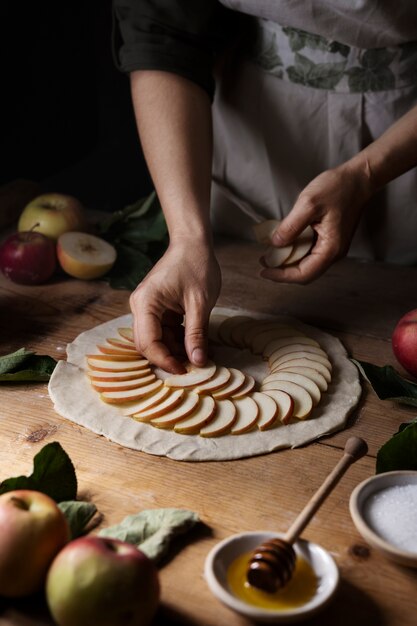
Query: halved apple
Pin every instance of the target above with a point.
(225, 329)
(277, 356)
(223, 419)
(188, 404)
(276, 344)
(302, 246)
(220, 378)
(117, 397)
(247, 415)
(268, 410)
(99, 376)
(126, 333)
(116, 366)
(303, 362)
(264, 230)
(302, 354)
(308, 384)
(85, 256)
(134, 406)
(303, 402)
(195, 376)
(312, 373)
(122, 385)
(236, 381)
(156, 410)
(275, 257)
(199, 418)
(285, 404)
(246, 388)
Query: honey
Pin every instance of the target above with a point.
(301, 588)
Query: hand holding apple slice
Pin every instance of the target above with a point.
(285, 255)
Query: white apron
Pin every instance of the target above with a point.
(317, 83)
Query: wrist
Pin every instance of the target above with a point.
(359, 168)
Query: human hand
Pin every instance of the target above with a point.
(331, 204)
(185, 281)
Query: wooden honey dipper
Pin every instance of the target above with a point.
(272, 563)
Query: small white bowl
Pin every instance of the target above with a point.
(357, 505)
(224, 553)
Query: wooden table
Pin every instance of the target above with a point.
(358, 302)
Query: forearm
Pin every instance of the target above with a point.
(174, 122)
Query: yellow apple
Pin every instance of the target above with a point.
(53, 214)
(85, 256)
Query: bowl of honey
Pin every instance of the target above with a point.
(311, 587)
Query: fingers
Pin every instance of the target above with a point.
(196, 324)
(291, 227)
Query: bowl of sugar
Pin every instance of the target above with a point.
(384, 511)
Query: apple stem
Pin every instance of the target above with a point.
(19, 503)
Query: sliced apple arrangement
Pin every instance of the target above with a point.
(287, 255)
(215, 400)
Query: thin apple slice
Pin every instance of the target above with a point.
(268, 410)
(303, 402)
(214, 322)
(223, 420)
(114, 357)
(261, 326)
(159, 396)
(247, 387)
(247, 415)
(194, 377)
(240, 331)
(302, 354)
(118, 397)
(121, 343)
(276, 344)
(236, 381)
(220, 378)
(302, 246)
(308, 384)
(122, 385)
(117, 376)
(199, 418)
(116, 366)
(170, 402)
(275, 257)
(263, 339)
(263, 231)
(113, 350)
(188, 404)
(303, 362)
(225, 329)
(277, 356)
(126, 333)
(310, 372)
(285, 404)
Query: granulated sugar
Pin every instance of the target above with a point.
(392, 514)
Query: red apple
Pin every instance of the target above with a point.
(28, 258)
(32, 531)
(97, 580)
(404, 342)
(53, 214)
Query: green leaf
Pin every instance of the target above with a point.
(78, 515)
(152, 530)
(9, 362)
(399, 452)
(137, 209)
(130, 268)
(37, 368)
(388, 384)
(53, 474)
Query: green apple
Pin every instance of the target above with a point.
(53, 214)
(32, 531)
(97, 580)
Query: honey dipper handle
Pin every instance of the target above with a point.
(355, 448)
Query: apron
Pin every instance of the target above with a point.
(299, 102)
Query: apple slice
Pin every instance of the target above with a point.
(223, 419)
(195, 376)
(239, 333)
(308, 384)
(126, 333)
(303, 402)
(213, 327)
(199, 418)
(121, 343)
(130, 408)
(114, 357)
(315, 375)
(247, 415)
(117, 351)
(284, 402)
(263, 339)
(302, 246)
(116, 366)
(220, 378)
(263, 231)
(122, 385)
(302, 354)
(225, 329)
(188, 404)
(246, 388)
(156, 410)
(117, 397)
(303, 362)
(268, 410)
(275, 257)
(117, 376)
(276, 344)
(278, 355)
(236, 381)
(261, 326)
(85, 256)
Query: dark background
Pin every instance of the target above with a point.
(66, 115)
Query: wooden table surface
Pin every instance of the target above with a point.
(358, 302)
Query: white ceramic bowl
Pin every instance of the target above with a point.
(357, 506)
(225, 552)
